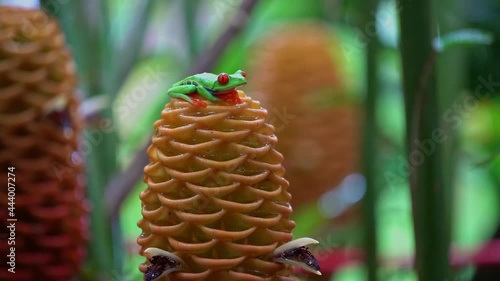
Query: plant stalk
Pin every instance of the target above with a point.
(370, 148)
(429, 196)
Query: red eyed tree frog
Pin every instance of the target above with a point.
(210, 86)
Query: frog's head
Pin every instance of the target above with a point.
(230, 81)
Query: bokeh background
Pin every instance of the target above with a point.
(330, 74)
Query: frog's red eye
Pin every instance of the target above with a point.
(243, 73)
(223, 78)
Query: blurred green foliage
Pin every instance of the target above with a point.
(477, 204)
(167, 53)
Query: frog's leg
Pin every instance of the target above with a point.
(206, 94)
(181, 92)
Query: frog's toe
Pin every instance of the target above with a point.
(162, 263)
(295, 253)
(181, 96)
(212, 98)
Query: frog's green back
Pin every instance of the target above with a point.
(205, 76)
(205, 79)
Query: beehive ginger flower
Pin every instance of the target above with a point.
(217, 206)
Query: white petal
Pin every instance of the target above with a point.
(151, 252)
(57, 103)
(294, 244)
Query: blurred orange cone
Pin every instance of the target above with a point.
(298, 78)
(39, 137)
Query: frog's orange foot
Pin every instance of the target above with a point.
(231, 98)
(199, 103)
(196, 100)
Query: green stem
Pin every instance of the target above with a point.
(106, 248)
(429, 194)
(370, 149)
(451, 69)
(126, 56)
(100, 243)
(93, 54)
(190, 7)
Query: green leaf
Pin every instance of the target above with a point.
(463, 37)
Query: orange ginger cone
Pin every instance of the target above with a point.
(38, 146)
(297, 77)
(217, 206)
